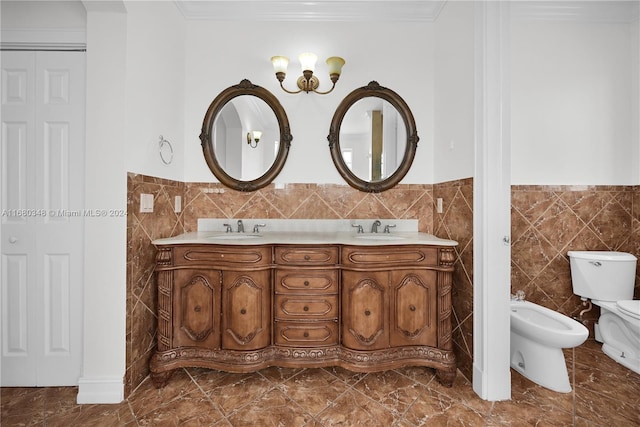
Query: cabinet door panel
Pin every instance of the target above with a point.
(246, 316)
(413, 308)
(196, 309)
(364, 310)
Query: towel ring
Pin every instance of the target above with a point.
(166, 156)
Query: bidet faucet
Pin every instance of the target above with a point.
(519, 296)
(240, 226)
(375, 225)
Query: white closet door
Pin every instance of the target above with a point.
(43, 98)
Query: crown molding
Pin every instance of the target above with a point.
(398, 10)
(312, 11)
(611, 11)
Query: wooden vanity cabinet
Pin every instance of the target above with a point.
(214, 305)
(246, 307)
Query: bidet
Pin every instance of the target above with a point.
(538, 335)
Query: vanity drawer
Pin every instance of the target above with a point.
(214, 256)
(307, 281)
(297, 334)
(306, 307)
(385, 256)
(312, 255)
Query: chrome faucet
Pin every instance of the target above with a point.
(256, 228)
(240, 226)
(359, 227)
(375, 225)
(228, 228)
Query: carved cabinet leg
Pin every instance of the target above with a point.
(160, 379)
(446, 376)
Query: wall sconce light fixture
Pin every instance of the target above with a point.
(307, 81)
(253, 138)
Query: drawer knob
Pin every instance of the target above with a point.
(243, 311)
(306, 283)
(306, 334)
(307, 257)
(197, 309)
(367, 313)
(305, 308)
(412, 307)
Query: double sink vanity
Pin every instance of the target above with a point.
(304, 294)
(360, 294)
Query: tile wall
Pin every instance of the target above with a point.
(142, 228)
(303, 201)
(549, 221)
(456, 223)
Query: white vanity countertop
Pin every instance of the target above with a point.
(305, 238)
(306, 232)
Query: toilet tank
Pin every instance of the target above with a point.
(603, 275)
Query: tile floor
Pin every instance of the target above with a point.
(607, 396)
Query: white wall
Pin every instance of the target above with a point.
(42, 23)
(573, 94)
(106, 188)
(38, 15)
(454, 92)
(155, 87)
(397, 55)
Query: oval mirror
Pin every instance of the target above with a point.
(373, 138)
(245, 137)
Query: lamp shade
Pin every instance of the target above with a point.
(257, 135)
(308, 61)
(335, 64)
(280, 64)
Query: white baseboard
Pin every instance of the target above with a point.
(100, 390)
(492, 388)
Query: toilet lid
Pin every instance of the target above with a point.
(630, 307)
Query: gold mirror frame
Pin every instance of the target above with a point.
(245, 87)
(375, 90)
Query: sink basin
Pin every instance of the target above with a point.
(235, 236)
(379, 237)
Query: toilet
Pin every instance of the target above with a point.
(538, 335)
(608, 279)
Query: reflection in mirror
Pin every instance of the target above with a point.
(245, 137)
(240, 157)
(373, 139)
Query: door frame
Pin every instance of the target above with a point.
(492, 203)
